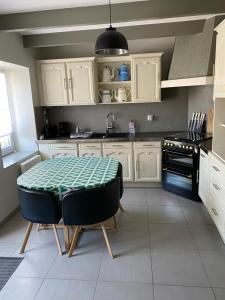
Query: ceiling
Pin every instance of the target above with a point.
(12, 6)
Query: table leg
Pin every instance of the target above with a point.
(66, 237)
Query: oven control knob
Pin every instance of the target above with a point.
(179, 146)
(183, 146)
(171, 145)
(187, 147)
(190, 148)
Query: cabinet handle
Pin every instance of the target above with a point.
(216, 169)
(117, 146)
(216, 187)
(70, 83)
(214, 211)
(148, 153)
(65, 84)
(137, 165)
(202, 155)
(93, 147)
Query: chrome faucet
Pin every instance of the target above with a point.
(110, 119)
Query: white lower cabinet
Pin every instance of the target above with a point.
(90, 149)
(123, 153)
(203, 189)
(48, 151)
(148, 162)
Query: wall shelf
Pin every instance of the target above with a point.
(196, 81)
(114, 82)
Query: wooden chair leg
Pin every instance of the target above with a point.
(114, 222)
(107, 241)
(74, 241)
(121, 207)
(57, 239)
(28, 231)
(66, 237)
(38, 227)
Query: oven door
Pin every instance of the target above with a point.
(178, 182)
(178, 161)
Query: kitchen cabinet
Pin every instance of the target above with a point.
(147, 158)
(48, 151)
(66, 82)
(219, 81)
(203, 189)
(53, 84)
(90, 149)
(81, 82)
(146, 77)
(123, 153)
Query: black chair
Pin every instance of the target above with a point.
(89, 207)
(39, 207)
(120, 175)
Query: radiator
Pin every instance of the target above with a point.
(26, 165)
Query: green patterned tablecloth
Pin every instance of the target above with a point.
(61, 175)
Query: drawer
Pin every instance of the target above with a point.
(147, 144)
(117, 145)
(90, 146)
(217, 188)
(203, 156)
(216, 212)
(217, 172)
(65, 146)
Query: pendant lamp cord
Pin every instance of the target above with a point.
(110, 14)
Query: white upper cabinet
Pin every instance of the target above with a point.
(146, 77)
(54, 84)
(81, 82)
(219, 81)
(67, 82)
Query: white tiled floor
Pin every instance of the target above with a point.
(166, 248)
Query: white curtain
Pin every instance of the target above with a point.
(5, 117)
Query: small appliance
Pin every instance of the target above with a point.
(63, 129)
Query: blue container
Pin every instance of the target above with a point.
(123, 72)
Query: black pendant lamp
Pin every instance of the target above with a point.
(111, 42)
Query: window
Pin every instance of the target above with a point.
(6, 141)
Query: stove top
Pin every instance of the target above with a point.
(189, 137)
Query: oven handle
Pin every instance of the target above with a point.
(176, 173)
(178, 153)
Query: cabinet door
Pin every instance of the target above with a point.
(125, 157)
(81, 82)
(148, 164)
(90, 152)
(203, 189)
(54, 84)
(219, 82)
(146, 79)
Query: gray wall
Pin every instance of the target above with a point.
(11, 50)
(200, 98)
(171, 114)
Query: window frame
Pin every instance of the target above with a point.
(11, 148)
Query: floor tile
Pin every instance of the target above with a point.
(182, 293)
(165, 214)
(132, 217)
(220, 293)
(188, 202)
(171, 236)
(214, 262)
(196, 215)
(207, 237)
(122, 291)
(178, 267)
(160, 197)
(83, 265)
(134, 196)
(20, 288)
(66, 289)
(8, 249)
(127, 267)
(37, 261)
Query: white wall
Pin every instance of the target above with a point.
(12, 51)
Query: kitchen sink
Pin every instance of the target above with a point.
(104, 135)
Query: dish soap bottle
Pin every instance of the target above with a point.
(131, 127)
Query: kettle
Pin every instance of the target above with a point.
(122, 94)
(108, 74)
(105, 96)
(123, 72)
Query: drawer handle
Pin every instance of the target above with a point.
(202, 155)
(148, 153)
(214, 211)
(216, 187)
(94, 147)
(216, 169)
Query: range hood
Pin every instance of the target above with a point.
(193, 58)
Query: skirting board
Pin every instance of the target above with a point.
(13, 213)
(143, 184)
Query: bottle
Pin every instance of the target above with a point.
(131, 127)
